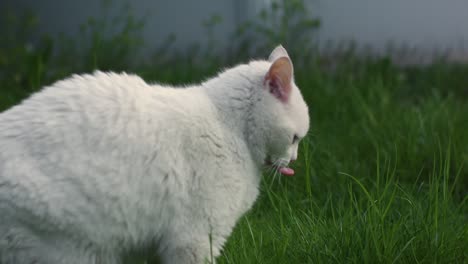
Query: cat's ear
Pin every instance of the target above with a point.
(277, 53)
(278, 79)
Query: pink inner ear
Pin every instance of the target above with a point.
(278, 79)
(278, 89)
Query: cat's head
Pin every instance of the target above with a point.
(281, 114)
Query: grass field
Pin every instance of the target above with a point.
(382, 176)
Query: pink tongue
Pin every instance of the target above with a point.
(286, 171)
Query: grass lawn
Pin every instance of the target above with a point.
(382, 178)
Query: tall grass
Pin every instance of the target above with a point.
(381, 177)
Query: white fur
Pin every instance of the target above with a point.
(98, 165)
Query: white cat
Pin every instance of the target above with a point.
(97, 165)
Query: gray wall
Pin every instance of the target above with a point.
(425, 24)
(184, 18)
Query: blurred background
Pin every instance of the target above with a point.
(138, 35)
(382, 176)
(427, 27)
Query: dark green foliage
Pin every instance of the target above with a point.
(22, 61)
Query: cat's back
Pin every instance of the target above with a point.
(97, 119)
(81, 138)
(91, 101)
(73, 121)
(78, 95)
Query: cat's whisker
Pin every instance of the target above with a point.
(278, 173)
(271, 175)
(272, 180)
(276, 165)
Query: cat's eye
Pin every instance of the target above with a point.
(295, 139)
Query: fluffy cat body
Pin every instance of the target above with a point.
(98, 165)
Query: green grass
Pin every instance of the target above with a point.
(382, 176)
